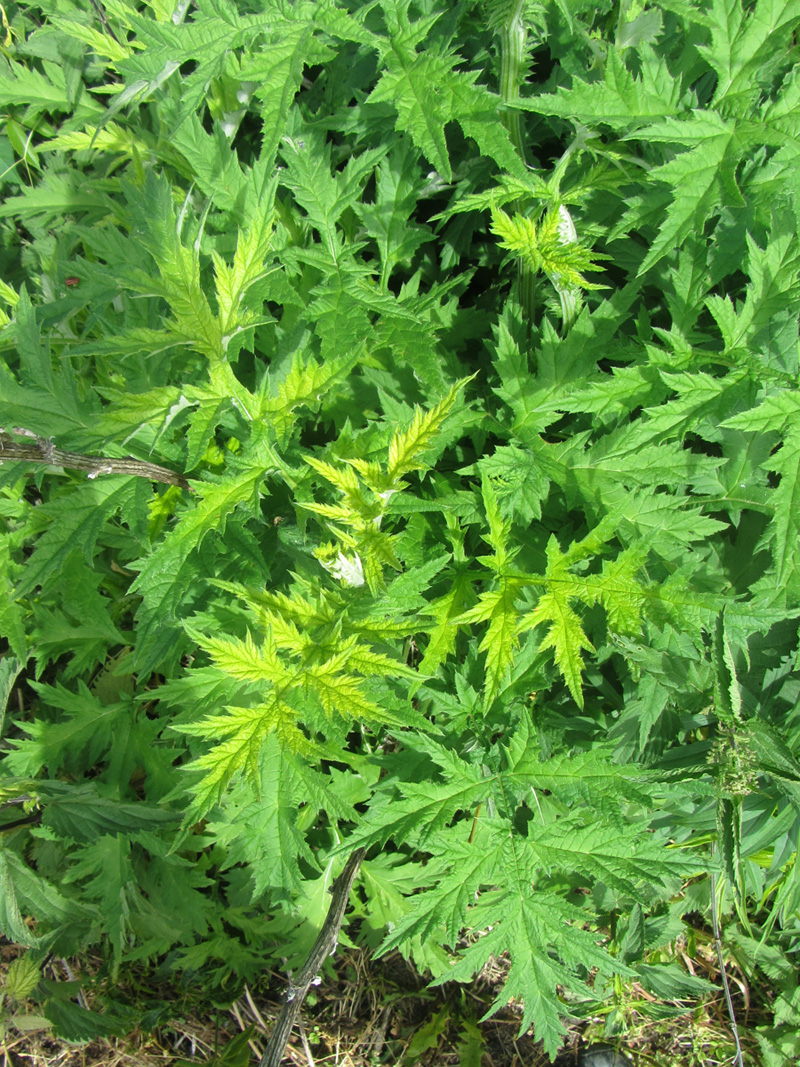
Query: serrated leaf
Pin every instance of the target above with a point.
(268, 836)
(565, 634)
(519, 483)
(323, 195)
(397, 186)
(620, 100)
(405, 82)
(699, 179)
(545, 248)
(500, 639)
(11, 921)
(245, 660)
(162, 575)
(408, 445)
(239, 735)
(786, 498)
(445, 611)
(79, 1024)
(742, 41)
(22, 977)
(80, 814)
(82, 735)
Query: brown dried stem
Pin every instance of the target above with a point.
(42, 450)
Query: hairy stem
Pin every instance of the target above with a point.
(320, 950)
(512, 58)
(42, 450)
(738, 1059)
(512, 36)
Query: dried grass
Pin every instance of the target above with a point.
(366, 1014)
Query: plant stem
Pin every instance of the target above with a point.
(44, 451)
(320, 950)
(738, 1060)
(512, 36)
(512, 57)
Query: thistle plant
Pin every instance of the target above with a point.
(317, 538)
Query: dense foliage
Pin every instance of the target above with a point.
(473, 327)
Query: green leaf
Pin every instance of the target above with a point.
(106, 864)
(620, 100)
(405, 82)
(11, 921)
(43, 402)
(25, 890)
(28, 87)
(445, 611)
(700, 180)
(471, 1046)
(397, 187)
(671, 983)
(776, 757)
(549, 247)
(240, 733)
(10, 668)
(214, 165)
(531, 924)
(786, 499)
(55, 195)
(565, 634)
(74, 525)
(500, 639)
(519, 483)
(81, 737)
(82, 815)
(79, 1024)
(277, 74)
(162, 578)
(407, 446)
(22, 977)
(422, 809)
(324, 196)
(234, 1053)
(264, 831)
(742, 45)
